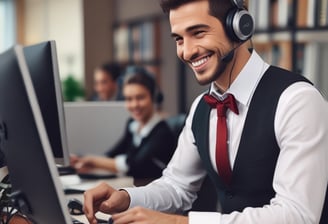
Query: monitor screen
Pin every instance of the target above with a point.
(43, 67)
(24, 141)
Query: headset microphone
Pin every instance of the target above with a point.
(228, 57)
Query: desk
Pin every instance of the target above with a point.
(74, 182)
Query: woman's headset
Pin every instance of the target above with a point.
(239, 22)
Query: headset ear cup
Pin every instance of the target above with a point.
(239, 25)
(229, 25)
(238, 3)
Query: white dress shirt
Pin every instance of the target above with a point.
(301, 174)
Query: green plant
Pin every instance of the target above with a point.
(72, 89)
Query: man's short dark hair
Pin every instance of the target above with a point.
(112, 69)
(218, 8)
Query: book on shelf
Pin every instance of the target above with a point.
(284, 58)
(277, 53)
(121, 43)
(310, 65)
(135, 43)
(311, 9)
(311, 62)
(302, 13)
(259, 9)
(321, 13)
(147, 41)
(263, 18)
(312, 13)
(284, 13)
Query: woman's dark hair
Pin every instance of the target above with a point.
(218, 8)
(139, 75)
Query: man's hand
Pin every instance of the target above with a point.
(146, 216)
(105, 199)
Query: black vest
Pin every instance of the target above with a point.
(258, 151)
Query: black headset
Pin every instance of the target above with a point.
(239, 22)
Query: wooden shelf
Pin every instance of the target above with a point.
(272, 36)
(312, 35)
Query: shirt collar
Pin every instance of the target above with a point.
(244, 85)
(134, 126)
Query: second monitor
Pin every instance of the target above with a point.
(42, 64)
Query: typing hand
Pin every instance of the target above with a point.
(146, 216)
(83, 164)
(73, 159)
(75, 207)
(105, 199)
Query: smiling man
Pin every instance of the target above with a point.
(259, 132)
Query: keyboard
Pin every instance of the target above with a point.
(66, 170)
(99, 221)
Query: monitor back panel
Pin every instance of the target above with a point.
(94, 127)
(42, 63)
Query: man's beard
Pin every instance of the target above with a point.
(222, 65)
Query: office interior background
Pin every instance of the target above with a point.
(289, 33)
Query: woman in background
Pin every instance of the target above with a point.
(148, 142)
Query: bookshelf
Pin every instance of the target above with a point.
(137, 42)
(293, 34)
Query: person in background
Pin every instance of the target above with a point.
(271, 166)
(148, 142)
(106, 82)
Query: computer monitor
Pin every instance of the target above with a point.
(94, 127)
(43, 67)
(24, 141)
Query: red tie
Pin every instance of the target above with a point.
(221, 156)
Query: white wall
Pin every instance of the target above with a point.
(62, 21)
(7, 27)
